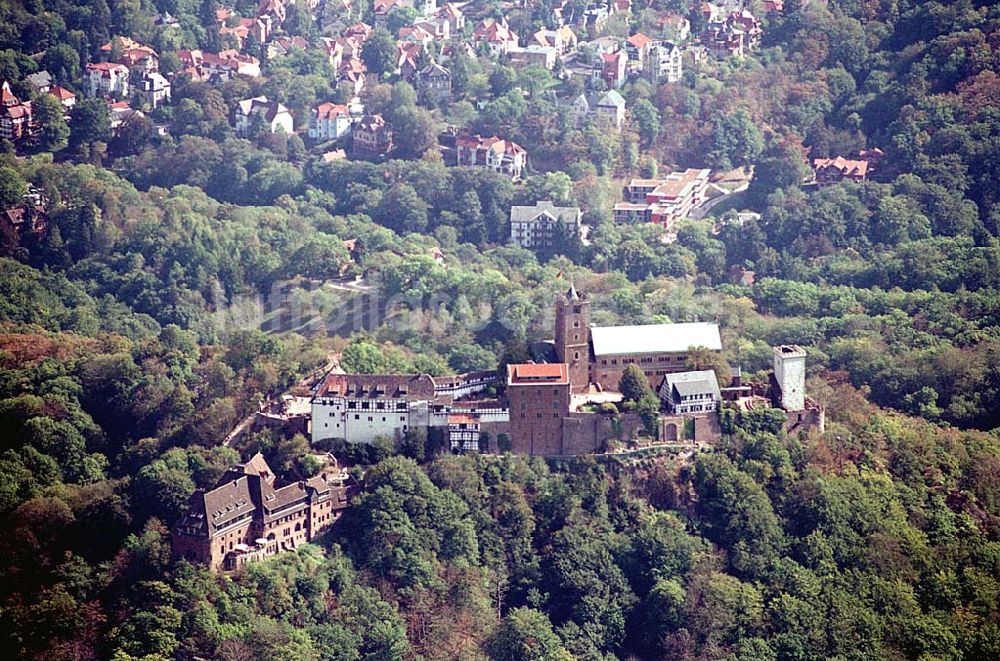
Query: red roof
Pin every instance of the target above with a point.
(639, 40)
(538, 373)
(61, 93)
(329, 110)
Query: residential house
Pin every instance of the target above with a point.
(663, 201)
(544, 225)
(408, 59)
(434, 82)
(611, 105)
(352, 75)
(416, 35)
(835, 170)
(774, 6)
(637, 47)
(224, 64)
(544, 56)
(273, 9)
(438, 28)
(673, 27)
(329, 121)
(107, 79)
(360, 408)
(690, 392)
(611, 69)
(451, 13)
(334, 51)
(154, 89)
(563, 39)
(127, 51)
(16, 121)
(503, 156)
(66, 98)
(119, 113)
(663, 64)
(40, 81)
(248, 517)
(371, 137)
(284, 45)
(495, 37)
(30, 217)
(271, 115)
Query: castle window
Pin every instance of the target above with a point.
(576, 355)
(576, 336)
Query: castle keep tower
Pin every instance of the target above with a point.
(790, 373)
(573, 337)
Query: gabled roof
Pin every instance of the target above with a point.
(328, 110)
(654, 338)
(528, 214)
(696, 382)
(612, 99)
(433, 69)
(639, 40)
(61, 93)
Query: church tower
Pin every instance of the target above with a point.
(573, 337)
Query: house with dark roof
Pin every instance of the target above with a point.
(542, 226)
(248, 516)
(371, 137)
(434, 82)
(690, 392)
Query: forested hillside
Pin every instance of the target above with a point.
(133, 337)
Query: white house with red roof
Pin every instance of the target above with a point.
(503, 156)
(15, 116)
(275, 116)
(495, 36)
(329, 121)
(107, 79)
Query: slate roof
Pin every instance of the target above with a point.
(654, 338)
(693, 383)
(526, 214)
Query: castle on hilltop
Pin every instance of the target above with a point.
(564, 404)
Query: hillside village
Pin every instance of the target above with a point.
(582, 59)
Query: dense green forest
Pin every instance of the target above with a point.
(133, 337)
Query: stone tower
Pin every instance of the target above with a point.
(573, 337)
(790, 373)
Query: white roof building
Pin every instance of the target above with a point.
(654, 338)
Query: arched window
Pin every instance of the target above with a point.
(298, 527)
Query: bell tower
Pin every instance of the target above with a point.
(573, 337)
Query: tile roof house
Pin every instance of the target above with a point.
(495, 36)
(352, 75)
(503, 156)
(224, 64)
(451, 13)
(107, 79)
(16, 121)
(835, 170)
(563, 39)
(127, 51)
(637, 46)
(65, 97)
(30, 217)
(329, 121)
(273, 115)
(542, 226)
